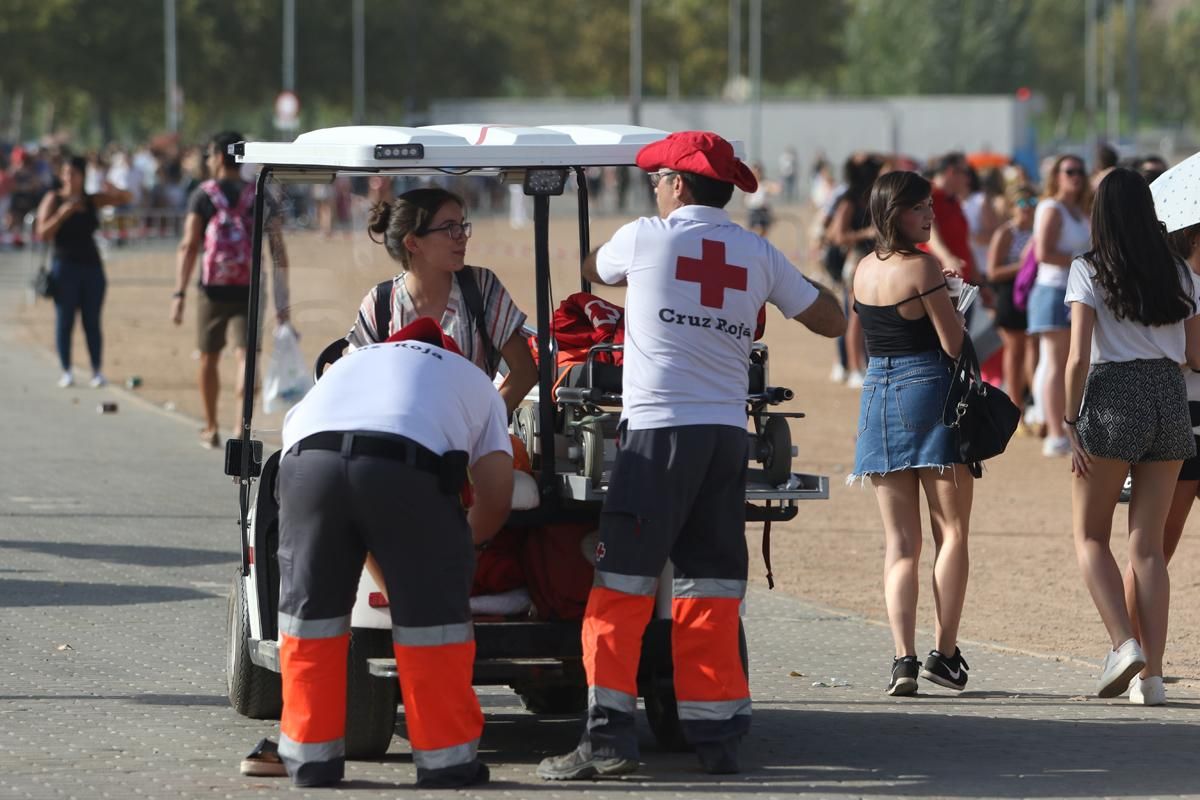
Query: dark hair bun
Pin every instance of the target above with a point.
(378, 217)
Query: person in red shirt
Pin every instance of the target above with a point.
(950, 240)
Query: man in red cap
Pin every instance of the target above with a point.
(375, 459)
(696, 282)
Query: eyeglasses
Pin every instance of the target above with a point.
(1026, 202)
(1073, 172)
(454, 230)
(656, 177)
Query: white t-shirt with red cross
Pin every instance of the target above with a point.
(430, 395)
(696, 281)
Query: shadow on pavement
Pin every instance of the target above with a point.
(137, 555)
(901, 754)
(23, 594)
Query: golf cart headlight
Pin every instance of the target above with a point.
(545, 181)
(385, 152)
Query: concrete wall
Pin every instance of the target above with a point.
(920, 127)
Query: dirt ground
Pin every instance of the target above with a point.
(1025, 590)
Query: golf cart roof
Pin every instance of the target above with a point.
(458, 147)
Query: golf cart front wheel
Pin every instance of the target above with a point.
(254, 691)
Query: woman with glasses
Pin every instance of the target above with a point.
(1061, 231)
(426, 231)
(1004, 258)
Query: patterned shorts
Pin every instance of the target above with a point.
(1136, 411)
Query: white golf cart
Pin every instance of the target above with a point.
(576, 422)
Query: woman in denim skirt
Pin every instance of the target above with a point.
(1133, 322)
(913, 332)
(1060, 232)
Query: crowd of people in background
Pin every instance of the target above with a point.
(1094, 310)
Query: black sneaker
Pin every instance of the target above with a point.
(1126, 490)
(904, 676)
(948, 671)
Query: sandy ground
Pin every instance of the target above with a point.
(1025, 592)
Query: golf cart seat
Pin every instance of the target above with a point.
(332, 352)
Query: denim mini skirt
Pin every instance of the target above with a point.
(900, 415)
(1048, 309)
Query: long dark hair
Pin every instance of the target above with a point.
(893, 194)
(1134, 264)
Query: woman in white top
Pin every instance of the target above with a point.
(1060, 232)
(1133, 322)
(426, 231)
(1186, 244)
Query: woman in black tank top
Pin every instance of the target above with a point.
(67, 218)
(903, 445)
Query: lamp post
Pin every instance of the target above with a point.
(360, 64)
(172, 77)
(756, 80)
(635, 62)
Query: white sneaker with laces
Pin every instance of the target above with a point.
(1148, 691)
(66, 381)
(98, 381)
(855, 380)
(1120, 667)
(837, 374)
(1055, 446)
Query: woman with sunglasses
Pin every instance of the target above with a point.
(426, 231)
(1061, 231)
(1133, 322)
(1005, 255)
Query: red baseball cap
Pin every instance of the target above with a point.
(699, 152)
(424, 329)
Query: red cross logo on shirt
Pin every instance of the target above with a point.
(712, 273)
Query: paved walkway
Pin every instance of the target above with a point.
(118, 542)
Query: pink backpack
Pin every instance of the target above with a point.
(227, 238)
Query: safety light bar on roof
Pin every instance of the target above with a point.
(456, 147)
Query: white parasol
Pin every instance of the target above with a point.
(1177, 194)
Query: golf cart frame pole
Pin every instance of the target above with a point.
(585, 235)
(541, 252)
(260, 194)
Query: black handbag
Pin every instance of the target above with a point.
(44, 284)
(982, 416)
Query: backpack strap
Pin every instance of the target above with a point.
(474, 300)
(218, 198)
(383, 308)
(246, 199)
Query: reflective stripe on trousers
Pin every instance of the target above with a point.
(440, 706)
(710, 681)
(612, 636)
(313, 724)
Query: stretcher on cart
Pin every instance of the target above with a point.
(567, 425)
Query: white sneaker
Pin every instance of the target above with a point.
(66, 381)
(1120, 666)
(98, 381)
(837, 374)
(1148, 692)
(855, 380)
(1055, 446)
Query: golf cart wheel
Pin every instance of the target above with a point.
(370, 701)
(777, 465)
(254, 692)
(553, 699)
(523, 428)
(591, 438)
(658, 690)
